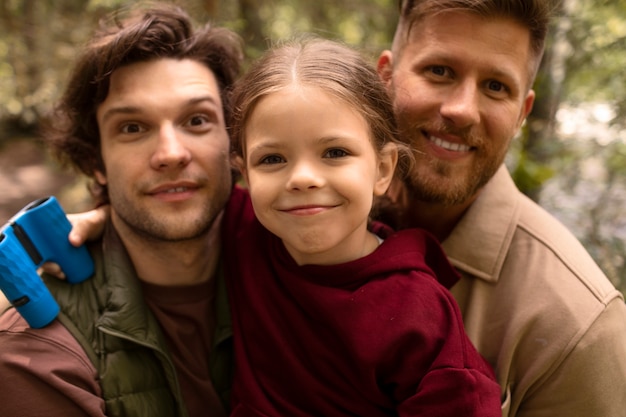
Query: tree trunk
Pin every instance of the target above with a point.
(537, 146)
(253, 33)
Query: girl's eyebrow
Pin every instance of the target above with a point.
(264, 146)
(328, 139)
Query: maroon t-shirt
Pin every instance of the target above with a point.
(186, 315)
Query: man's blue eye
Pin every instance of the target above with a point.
(438, 70)
(336, 153)
(496, 86)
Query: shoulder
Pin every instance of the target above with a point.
(561, 252)
(533, 260)
(546, 261)
(552, 268)
(49, 372)
(506, 236)
(41, 346)
(534, 301)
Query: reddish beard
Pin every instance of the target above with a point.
(443, 182)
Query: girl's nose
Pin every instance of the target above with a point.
(304, 176)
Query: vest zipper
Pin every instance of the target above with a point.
(162, 356)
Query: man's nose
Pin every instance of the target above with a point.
(170, 149)
(461, 105)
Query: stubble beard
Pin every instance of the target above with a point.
(435, 182)
(165, 228)
(444, 183)
(169, 227)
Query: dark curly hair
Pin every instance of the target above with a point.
(136, 35)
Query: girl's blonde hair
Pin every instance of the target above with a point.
(332, 66)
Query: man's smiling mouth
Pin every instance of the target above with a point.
(450, 146)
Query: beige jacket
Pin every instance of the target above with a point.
(538, 308)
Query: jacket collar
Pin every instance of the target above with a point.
(479, 243)
(126, 312)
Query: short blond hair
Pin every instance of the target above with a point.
(535, 15)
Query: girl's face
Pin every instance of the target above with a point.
(312, 172)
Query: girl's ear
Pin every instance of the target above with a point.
(387, 161)
(100, 177)
(236, 161)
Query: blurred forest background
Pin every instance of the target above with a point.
(570, 156)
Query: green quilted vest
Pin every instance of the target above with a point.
(109, 318)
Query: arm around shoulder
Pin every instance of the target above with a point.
(45, 372)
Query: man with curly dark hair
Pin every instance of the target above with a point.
(143, 115)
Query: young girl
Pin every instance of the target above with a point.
(330, 319)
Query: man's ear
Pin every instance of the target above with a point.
(385, 67)
(100, 177)
(387, 161)
(527, 107)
